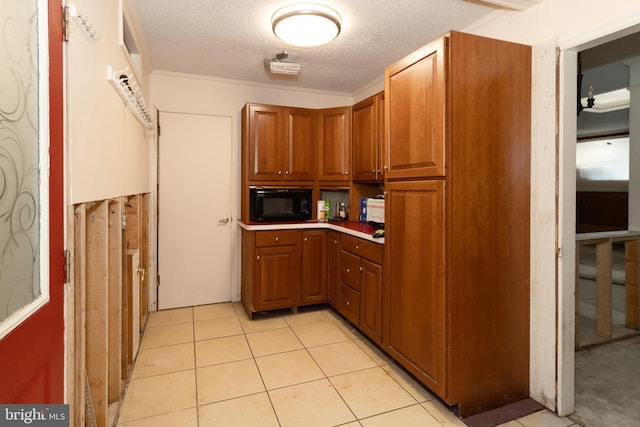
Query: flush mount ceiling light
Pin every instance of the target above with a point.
(306, 24)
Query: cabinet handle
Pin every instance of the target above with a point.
(277, 239)
(279, 172)
(305, 239)
(385, 167)
(361, 269)
(357, 247)
(348, 303)
(346, 173)
(286, 172)
(373, 171)
(348, 271)
(379, 171)
(258, 257)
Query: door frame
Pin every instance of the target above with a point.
(568, 48)
(236, 243)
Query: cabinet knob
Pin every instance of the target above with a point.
(385, 167)
(379, 171)
(346, 173)
(357, 247)
(348, 303)
(277, 239)
(286, 172)
(373, 171)
(348, 271)
(306, 239)
(361, 269)
(279, 172)
(258, 257)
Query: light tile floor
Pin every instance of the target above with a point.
(212, 366)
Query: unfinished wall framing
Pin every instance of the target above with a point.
(100, 342)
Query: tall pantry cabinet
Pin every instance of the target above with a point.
(456, 284)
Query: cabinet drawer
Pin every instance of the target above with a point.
(276, 237)
(349, 303)
(364, 248)
(350, 269)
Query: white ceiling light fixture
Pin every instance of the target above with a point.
(306, 24)
(514, 4)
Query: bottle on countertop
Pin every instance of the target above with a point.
(327, 209)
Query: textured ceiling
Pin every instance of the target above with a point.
(231, 39)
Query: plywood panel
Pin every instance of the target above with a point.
(97, 307)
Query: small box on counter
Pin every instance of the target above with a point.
(375, 210)
(363, 209)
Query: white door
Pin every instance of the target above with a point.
(195, 205)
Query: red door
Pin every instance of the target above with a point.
(32, 355)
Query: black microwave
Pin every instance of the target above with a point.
(280, 204)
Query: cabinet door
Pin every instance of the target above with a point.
(332, 267)
(333, 144)
(276, 277)
(415, 114)
(364, 139)
(300, 145)
(414, 279)
(265, 143)
(314, 267)
(371, 299)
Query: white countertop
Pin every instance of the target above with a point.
(337, 226)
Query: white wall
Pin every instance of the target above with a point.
(107, 148)
(551, 24)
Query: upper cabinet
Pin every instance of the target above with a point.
(333, 144)
(415, 113)
(366, 139)
(299, 144)
(278, 143)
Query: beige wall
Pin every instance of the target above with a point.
(107, 148)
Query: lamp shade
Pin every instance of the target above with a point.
(306, 24)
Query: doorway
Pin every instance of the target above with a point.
(196, 229)
(570, 219)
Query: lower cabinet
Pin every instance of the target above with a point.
(283, 269)
(276, 270)
(291, 268)
(360, 289)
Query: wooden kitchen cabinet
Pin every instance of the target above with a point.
(334, 126)
(456, 274)
(333, 239)
(360, 289)
(414, 295)
(314, 267)
(415, 96)
(279, 143)
(366, 139)
(271, 273)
